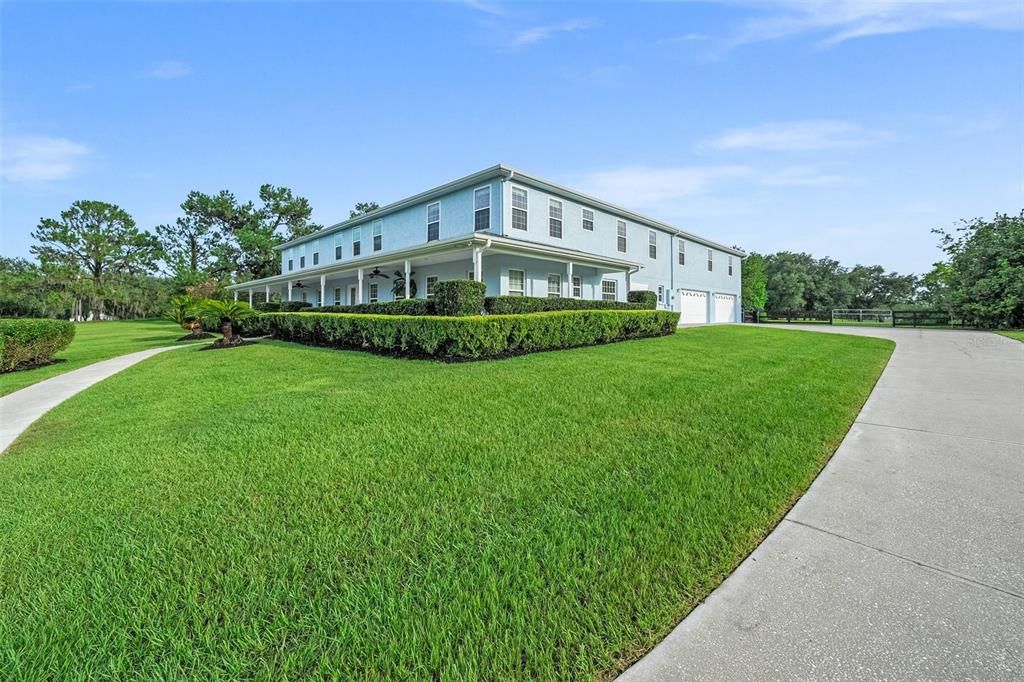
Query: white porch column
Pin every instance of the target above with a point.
(250, 296)
(236, 294)
(289, 290)
(407, 270)
(568, 279)
(478, 265)
(625, 296)
(359, 278)
(266, 294)
(323, 290)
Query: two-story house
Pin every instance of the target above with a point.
(520, 235)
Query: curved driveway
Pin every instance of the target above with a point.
(905, 559)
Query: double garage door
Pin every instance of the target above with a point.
(694, 307)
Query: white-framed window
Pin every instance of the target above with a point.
(482, 208)
(620, 236)
(730, 266)
(337, 296)
(710, 261)
(652, 244)
(316, 252)
(378, 235)
(682, 252)
(588, 220)
(291, 265)
(577, 286)
(373, 292)
(357, 240)
(470, 275)
(319, 302)
(302, 261)
(337, 246)
(555, 218)
(554, 286)
(516, 282)
(661, 295)
(434, 221)
(429, 286)
(609, 290)
(304, 299)
(520, 208)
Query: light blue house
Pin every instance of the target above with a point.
(520, 235)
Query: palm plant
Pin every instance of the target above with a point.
(185, 311)
(398, 287)
(228, 314)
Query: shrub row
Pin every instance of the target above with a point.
(468, 337)
(281, 306)
(28, 342)
(412, 306)
(645, 299)
(459, 297)
(514, 305)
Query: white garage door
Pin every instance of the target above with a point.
(694, 306)
(725, 304)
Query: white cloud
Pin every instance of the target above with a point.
(535, 34)
(486, 7)
(796, 136)
(40, 158)
(168, 70)
(799, 176)
(645, 186)
(837, 21)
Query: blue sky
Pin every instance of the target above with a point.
(846, 128)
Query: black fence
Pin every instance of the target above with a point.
(899, 318)
(794, 316)
(924, 318)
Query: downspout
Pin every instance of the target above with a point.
(672, 260)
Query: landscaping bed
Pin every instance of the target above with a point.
(298, 512)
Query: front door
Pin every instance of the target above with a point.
(352, 300)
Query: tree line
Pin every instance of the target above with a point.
(94, 261)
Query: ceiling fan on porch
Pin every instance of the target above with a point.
(377, 273)
(299, 285)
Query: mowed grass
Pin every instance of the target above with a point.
(281, 512)
(95, 341)
(1013, 334)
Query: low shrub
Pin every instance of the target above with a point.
(459, 297)
(411, 306)
(515, 305)
(293, 306)
(268, 306)
(28, 342)
(468, 337)
(648, 300)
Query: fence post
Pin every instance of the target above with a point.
(831, 317)
(893, 317)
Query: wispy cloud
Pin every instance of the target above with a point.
(40, 158)
(645, 185)
(80, 87)
(800, 176)
(486, 7)
(796, 136)
(168, 70)
(536, 34)
(836, 21)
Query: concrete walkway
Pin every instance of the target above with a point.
(905, 559)
(19, 409)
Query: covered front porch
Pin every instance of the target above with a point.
(506, 266)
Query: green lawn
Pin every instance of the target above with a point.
(95, 341)
(1014, 334)
(279, 511)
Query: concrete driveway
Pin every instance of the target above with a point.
(905, 559)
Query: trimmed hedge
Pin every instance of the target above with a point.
(268, 307)
(410, 306)
(515, 305)
(469, 337)
(293, 306)
(647, 300)
(29, 342)
(458, 297)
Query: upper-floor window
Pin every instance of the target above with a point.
(577, 287)
(554, 286)
(730, 266)
(291, 265)
(620, 231)
(357, 241)
(302, 261)
(588, 220)
(482, 208)
(682, 252)
(378, 235)
(609, 290)
(337, 246)
(516, 283)
(652, 244)
(555, 218)
(431, 282)
(316, 252)
(434, 221)
(520, 206)
(710, 261)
